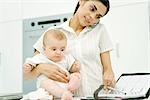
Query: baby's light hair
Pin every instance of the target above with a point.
(55, 33)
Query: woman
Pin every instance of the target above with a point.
(89, 43)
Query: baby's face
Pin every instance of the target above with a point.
(55, 49)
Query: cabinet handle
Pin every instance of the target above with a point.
(117, 50)
(0, 58)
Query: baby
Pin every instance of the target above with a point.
(54, 45)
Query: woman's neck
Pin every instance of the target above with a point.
(75, 25)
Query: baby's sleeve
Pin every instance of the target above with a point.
(37, 59)
(30, 61)
(70, 61)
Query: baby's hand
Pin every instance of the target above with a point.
(76, 66)
(27, 67)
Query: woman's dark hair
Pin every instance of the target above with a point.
(105, 2)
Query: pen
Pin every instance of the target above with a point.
(111, 88)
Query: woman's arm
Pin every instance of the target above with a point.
(108, 74)
(33, 73)
(49, 70)
(30, 75)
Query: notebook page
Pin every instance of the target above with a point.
(133, 85)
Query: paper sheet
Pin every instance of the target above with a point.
(133, 85)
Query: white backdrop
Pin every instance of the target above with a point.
(12, 12)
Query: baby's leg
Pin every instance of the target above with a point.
(74, 82)
(53, 88)
(67, 95)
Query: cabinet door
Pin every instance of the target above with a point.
(124, 2)
(40, 8)
(128, 26)
(10, 10)
(10, 58)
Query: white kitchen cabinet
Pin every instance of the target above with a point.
(129, 27)
(125, 2)
(40, 8)
(10, 1)
(10, 11)
(10, 57)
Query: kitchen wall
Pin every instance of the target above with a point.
(12, 12)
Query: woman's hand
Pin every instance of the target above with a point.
(53, 72)
(108, 79)
(108, 74)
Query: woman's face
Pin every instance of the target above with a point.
(90, 11)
